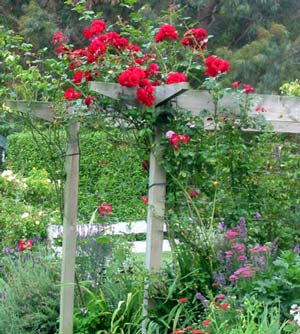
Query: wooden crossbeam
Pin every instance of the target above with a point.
(283, 112)
(41, 110)
(115, 91)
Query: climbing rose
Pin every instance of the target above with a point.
(97, 27)
(59, 38)
(176, 77)
(71, 94)
(248, 89)
(88, 101)
(235, 84)
(196, 38)
(215, 66)
(166, 31)
(131, 77)
(145, 95)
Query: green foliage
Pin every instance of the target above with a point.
(29, 294)
(27, 206)
(280, 281)
(110, 171)
(111, 295)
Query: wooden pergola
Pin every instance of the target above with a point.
(282, 112)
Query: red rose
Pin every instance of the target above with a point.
(176, 77)
(196, 38)
(145, 95)
(88, 101)
(182, 300)
(59, 38)
(248, 89)
(131, 77)
(77, 77)
(235, 84)
(215, 66)
(166, 31)
(71, 94)
(104, 208)
(97, 27)
(206, 322)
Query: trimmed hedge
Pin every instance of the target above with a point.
(110, 171)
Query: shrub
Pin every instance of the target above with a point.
(29, 293)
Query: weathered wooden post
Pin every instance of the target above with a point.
(69, 230)
(42, 111)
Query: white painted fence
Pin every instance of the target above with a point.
(55, 232)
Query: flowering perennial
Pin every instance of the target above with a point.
(110, 56)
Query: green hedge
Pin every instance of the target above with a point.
(110, 171)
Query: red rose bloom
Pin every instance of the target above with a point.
(77, 77)
(59, 38)
(195, 38)
(131, 77)
(71, 94)
(97, 48)
(206, 322)
(88, 101)
(97, 27)
(104, 208)
(185, 139)
(235, 84)
(25, 245)
(176, 77)
(182, 300)
(215, 66)
(145, 95)
(248, 89)
(166, 31)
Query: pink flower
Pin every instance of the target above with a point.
(206, 322)
(170, 133)
(239, 247)
(220, 296)
(231, 235)
(166, 32)
(259, 249)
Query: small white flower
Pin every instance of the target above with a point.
(37, 222)
(25, 215)
(6, 173)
